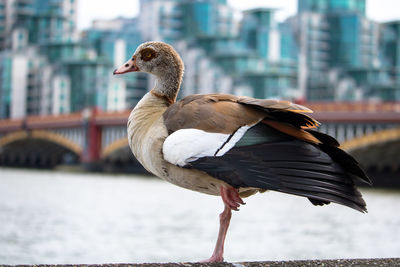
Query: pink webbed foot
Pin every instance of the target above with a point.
(231, 198)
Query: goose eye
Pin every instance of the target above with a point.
(148, 54)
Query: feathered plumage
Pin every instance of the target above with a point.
(234, 146)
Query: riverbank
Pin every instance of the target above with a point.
(392, 262)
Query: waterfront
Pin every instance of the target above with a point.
(51, 217)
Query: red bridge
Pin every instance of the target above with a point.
(369, 131)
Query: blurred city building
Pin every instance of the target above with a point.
(224, 51)
(114, 41)
(48, 67)
(340, 52)
(34, 33)
(328, 51)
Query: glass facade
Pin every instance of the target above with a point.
(5, 85)
(345, 39)
(332, 6)
(390, 55)
(338, 6)
(200, 18)
(256, 27)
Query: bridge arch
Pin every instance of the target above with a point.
(378, 153)
(380, 137)
(118, 157)
(44, 135)
(37, 148)
(114, 146)
(12, 137)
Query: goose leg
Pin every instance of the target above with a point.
(232, 201)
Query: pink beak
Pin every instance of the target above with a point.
(129, 66)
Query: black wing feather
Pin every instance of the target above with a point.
(289, 166)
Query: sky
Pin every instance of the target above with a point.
(379, 10)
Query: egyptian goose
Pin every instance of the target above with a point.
(233, 146)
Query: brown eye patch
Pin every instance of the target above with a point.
(147, 54)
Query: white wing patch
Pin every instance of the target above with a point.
(187, 145)
(234, 139)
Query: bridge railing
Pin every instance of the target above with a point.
(98, 134)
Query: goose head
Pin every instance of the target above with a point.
(161, 60)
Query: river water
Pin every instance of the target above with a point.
(52, 217)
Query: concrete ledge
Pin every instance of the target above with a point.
(390, 262)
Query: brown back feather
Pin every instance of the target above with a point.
(283, 111)
(224, 113)
(210, 113)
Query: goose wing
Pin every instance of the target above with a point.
(264, 144)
